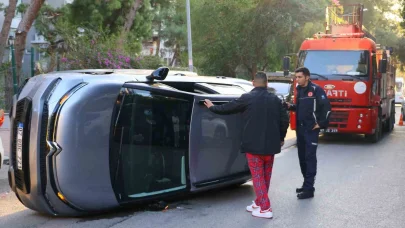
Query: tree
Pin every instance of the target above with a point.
(170, 23)
(130, 19)
(54, 26)
(8, 80)
(248, 34)
(5, 30)
(22, 31)
(163, 13)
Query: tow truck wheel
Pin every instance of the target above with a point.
(373, 138)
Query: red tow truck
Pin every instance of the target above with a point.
(355, 72)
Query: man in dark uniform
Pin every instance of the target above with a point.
(312, 114)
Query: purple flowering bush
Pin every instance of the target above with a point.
(106, 55)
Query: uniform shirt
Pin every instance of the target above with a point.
(313, 106)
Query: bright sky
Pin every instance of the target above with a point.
(395, 13)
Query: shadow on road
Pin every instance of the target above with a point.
(349, 139)
(212, 198)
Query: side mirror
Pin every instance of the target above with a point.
(286, 66)
(159, 74)
(382, 66)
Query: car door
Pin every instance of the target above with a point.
(214, 153)
(149, 142)
(163, 140)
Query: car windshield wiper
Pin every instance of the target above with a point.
(324, 77)
(353, 76)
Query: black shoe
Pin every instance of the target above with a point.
(305, 195)
(299, 190)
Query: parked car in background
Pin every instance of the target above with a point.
(278, 84)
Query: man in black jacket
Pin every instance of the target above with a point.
(265, 124)
(312, 111)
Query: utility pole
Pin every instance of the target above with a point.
(190, 49)
(32, 62)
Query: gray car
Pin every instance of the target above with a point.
(93, 140)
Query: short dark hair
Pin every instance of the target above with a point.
(303, 70)
(261, 77)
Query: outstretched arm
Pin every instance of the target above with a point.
(232, 107)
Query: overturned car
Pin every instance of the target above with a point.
(93, 140)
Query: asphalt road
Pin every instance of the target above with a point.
(358, 185)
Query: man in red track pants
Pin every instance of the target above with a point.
(265, 124)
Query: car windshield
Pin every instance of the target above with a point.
(281, 88)
(330, 64)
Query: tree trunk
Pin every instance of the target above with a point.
(22, 31)
(8, 90)
(175, 54)
(157, 46)
(129, 20)
(253, 70)
(9, 15)
(158, 39)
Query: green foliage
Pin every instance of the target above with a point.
(22, 8)
(230, 37)
(147, 62)
(84, 47)
(111, 15)
(100, 52)
(249, 34)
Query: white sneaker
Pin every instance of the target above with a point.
(263, 214)
(252, 207)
